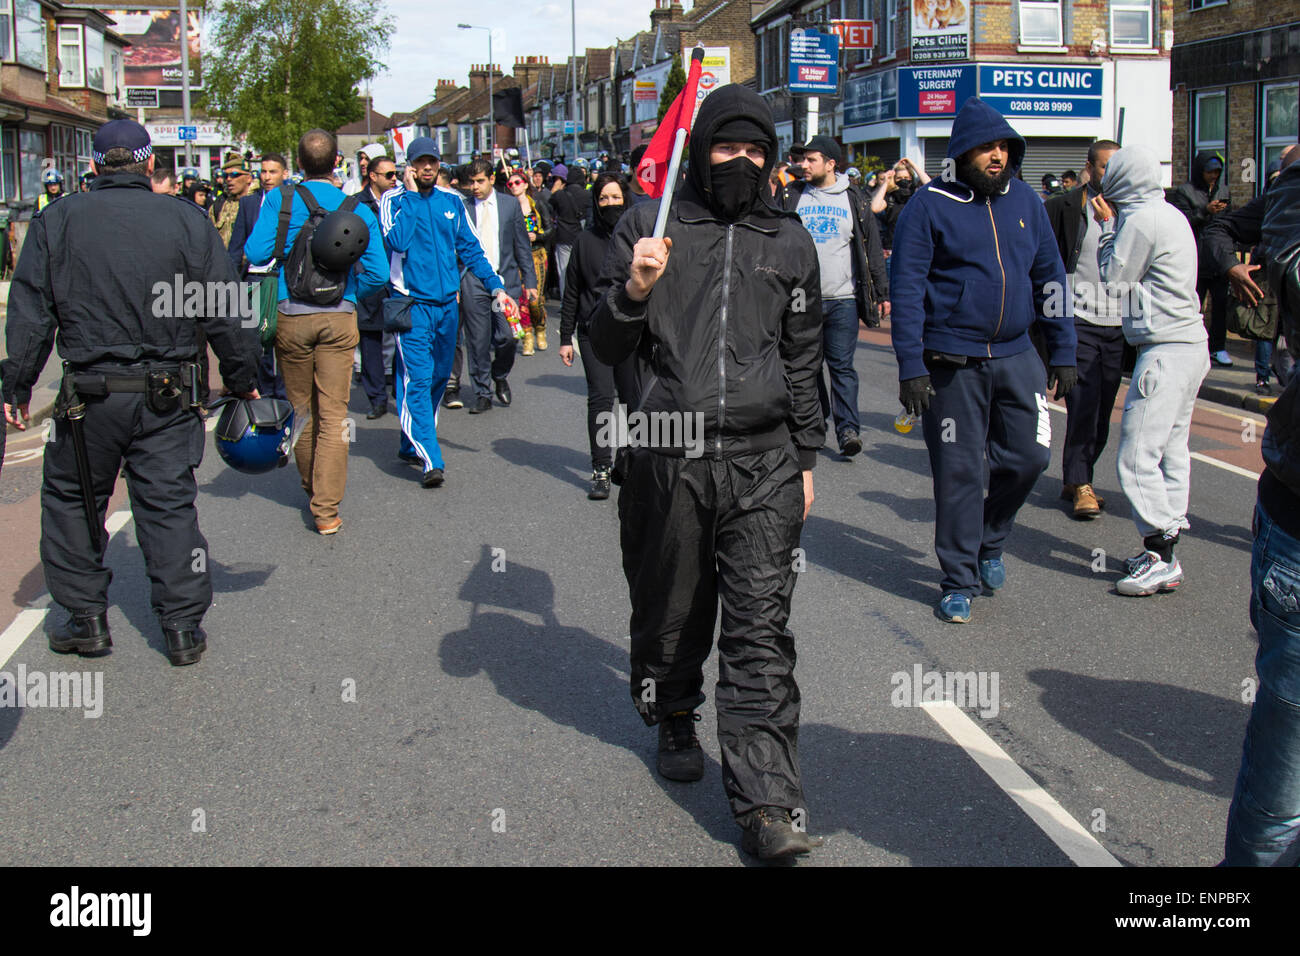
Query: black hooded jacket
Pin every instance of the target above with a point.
(583, 274)
(570, 206)
(733, 327)
(1193, 198)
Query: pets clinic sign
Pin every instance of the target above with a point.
(940, 30)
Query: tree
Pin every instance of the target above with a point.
(672, 86)
(279, 69)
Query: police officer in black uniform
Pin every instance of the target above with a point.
(93, 269)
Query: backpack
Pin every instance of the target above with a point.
(306, 280)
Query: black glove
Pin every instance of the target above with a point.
(915, 394)
(1062, 378)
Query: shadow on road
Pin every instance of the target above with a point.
(566, 674)
(573, 384)
(553, 460)
(873, 559)
(919, 816)
(1171, 734)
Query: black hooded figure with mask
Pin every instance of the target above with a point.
(723, 318)
(610, 198)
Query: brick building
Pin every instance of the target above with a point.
(1235, 78)
(1064, 72)
(60, 79)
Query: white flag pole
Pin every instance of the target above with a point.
(674, 166)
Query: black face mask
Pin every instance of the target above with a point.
(734, 187)
(610, 215)
(905, 189)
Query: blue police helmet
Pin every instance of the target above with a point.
(255, 435)
(52, 176)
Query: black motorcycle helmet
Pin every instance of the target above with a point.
(340, 240)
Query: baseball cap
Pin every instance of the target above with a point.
(826, 146)
(121, 134)
(421, 146)
(374, 151)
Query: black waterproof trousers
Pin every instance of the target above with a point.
(160, 453)
(696, 532)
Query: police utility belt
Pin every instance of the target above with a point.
(163, 384)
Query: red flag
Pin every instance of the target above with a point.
(652, 171)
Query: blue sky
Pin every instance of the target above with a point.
(427, 46)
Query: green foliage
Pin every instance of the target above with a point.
(672, 86)
(866, 164)
(276, 69)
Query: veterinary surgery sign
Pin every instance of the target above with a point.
(940, 31)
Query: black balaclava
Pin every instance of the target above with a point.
(610, 215)
(737, 114)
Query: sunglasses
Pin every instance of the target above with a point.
(391, 174)
(516, 182)
(232, 175)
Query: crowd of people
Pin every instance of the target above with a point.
(775, 266)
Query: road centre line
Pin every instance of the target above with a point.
(1053, 819)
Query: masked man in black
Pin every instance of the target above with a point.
(728, 344)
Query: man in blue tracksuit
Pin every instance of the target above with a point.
(426, 229)
(975, 263)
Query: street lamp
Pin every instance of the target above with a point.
(492, 111)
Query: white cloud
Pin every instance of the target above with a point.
(427, 46)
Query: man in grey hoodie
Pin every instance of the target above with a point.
(1147, 258)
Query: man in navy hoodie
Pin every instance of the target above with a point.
(975, 264)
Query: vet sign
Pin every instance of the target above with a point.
(1027, 89)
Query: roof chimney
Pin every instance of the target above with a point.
(665, 11)
(478, 76)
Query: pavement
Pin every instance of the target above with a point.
(445, 681)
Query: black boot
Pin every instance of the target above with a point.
(680, 756)
(185, 645)
(770, 834)
(85, 634)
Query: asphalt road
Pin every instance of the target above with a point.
(492, 724)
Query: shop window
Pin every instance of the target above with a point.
(1279, 122)
(31, 156)
(9, 165)
(1210, 124)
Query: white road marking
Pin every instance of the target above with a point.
(1244, 472)
(1200, 456)
(1053, 819)
(29, 620)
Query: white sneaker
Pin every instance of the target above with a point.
(1222, 358)
(1147, 574)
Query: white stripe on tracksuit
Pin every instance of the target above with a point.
(404, 414)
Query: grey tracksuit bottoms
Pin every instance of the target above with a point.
(1155, 464)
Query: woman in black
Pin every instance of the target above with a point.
(609, 199)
